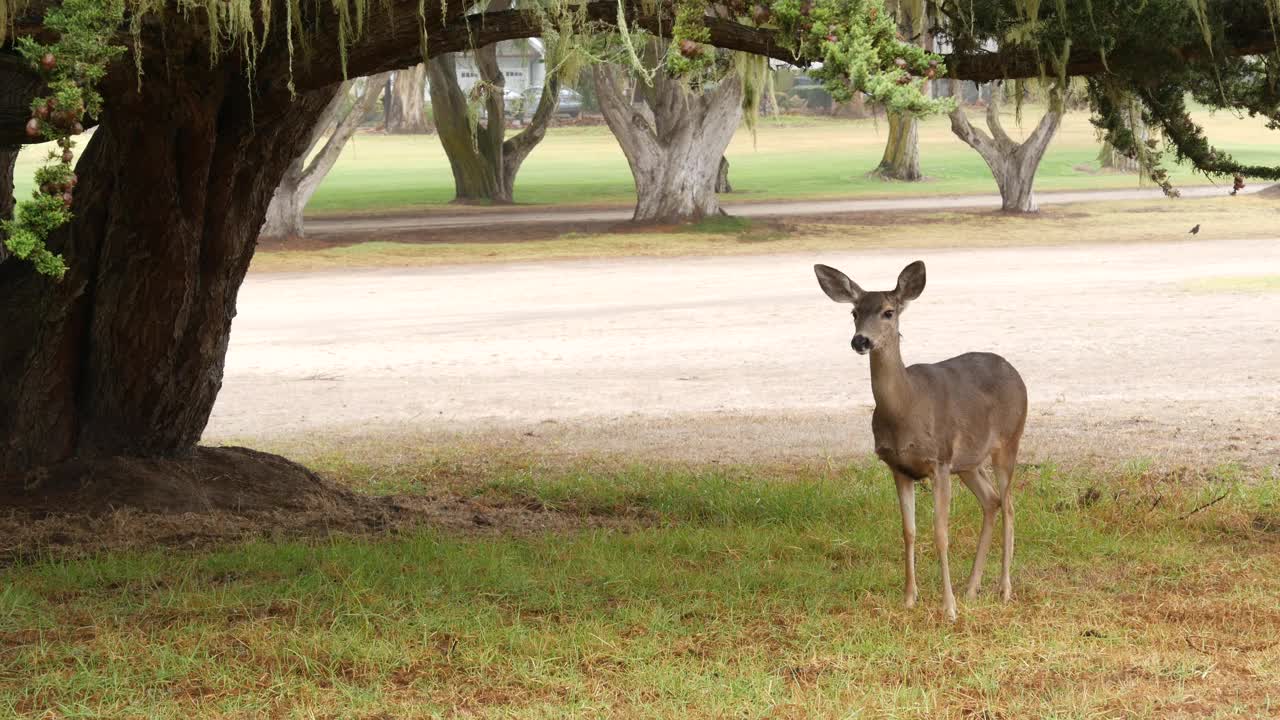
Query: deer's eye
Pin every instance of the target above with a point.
(888, 314)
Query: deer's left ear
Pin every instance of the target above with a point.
(910, 282)
(837, 285)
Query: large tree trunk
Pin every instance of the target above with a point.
(674, 146)
(124, 356)
(1012, 164)
(404, 102)
(474, 151)
(303, 178)
(901, 160)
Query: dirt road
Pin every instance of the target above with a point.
(736, 358)
(533, 216)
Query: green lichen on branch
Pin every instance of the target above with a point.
(854, 44)
(860, 48)
(72, 67)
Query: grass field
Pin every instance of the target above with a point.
(1114, 222)
(718, 592)
(792, 158)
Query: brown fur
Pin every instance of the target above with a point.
(935, 420)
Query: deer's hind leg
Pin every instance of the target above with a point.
(1003, 461)
(979, 482)
(941, 534)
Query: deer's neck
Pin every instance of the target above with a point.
(889, 382)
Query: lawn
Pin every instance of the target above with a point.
(791, 158)
(1092, 223)
(694, 592)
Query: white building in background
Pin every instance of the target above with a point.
(521, 62)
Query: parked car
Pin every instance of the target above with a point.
(570, 104)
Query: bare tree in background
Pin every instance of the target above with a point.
(1012, 163)
(339, 122)
(674, 139)
(403, 102)
(483, 159)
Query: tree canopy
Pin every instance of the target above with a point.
(1142, 58)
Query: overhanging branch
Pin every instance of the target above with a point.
(392, 40)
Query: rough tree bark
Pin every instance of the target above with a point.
(901, 159)
(303, 178)
(403, 102)
(1013, 164)
(8, 157)
(722, 177)
(484, 161)
(125, 355)
(674, 145)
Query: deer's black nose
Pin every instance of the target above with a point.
(861, 343)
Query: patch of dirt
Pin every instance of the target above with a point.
(1272, 191)
(226, 494)
(885, 218)
(513, 233)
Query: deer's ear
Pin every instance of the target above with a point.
(910, 282)
(837, 285)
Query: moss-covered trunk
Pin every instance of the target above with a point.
(125, 355)
(901, 159)
(484, 161)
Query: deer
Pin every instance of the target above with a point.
(932, 420)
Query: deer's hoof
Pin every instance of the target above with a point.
(1006, 593)
(971, 593)
(949, 613)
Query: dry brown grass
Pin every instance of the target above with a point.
(1101, 223)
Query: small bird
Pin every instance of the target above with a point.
(1195, 230)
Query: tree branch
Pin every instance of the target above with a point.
(974, 137)
(391, 40)
(635, 133)
(323, 162)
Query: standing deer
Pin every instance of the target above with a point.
(932, 420)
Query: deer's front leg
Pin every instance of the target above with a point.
(941, 518)
(907, 503)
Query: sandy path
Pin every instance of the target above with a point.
(739, 208)
(741, 357)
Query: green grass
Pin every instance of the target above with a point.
(792, 158)
(744, 592)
